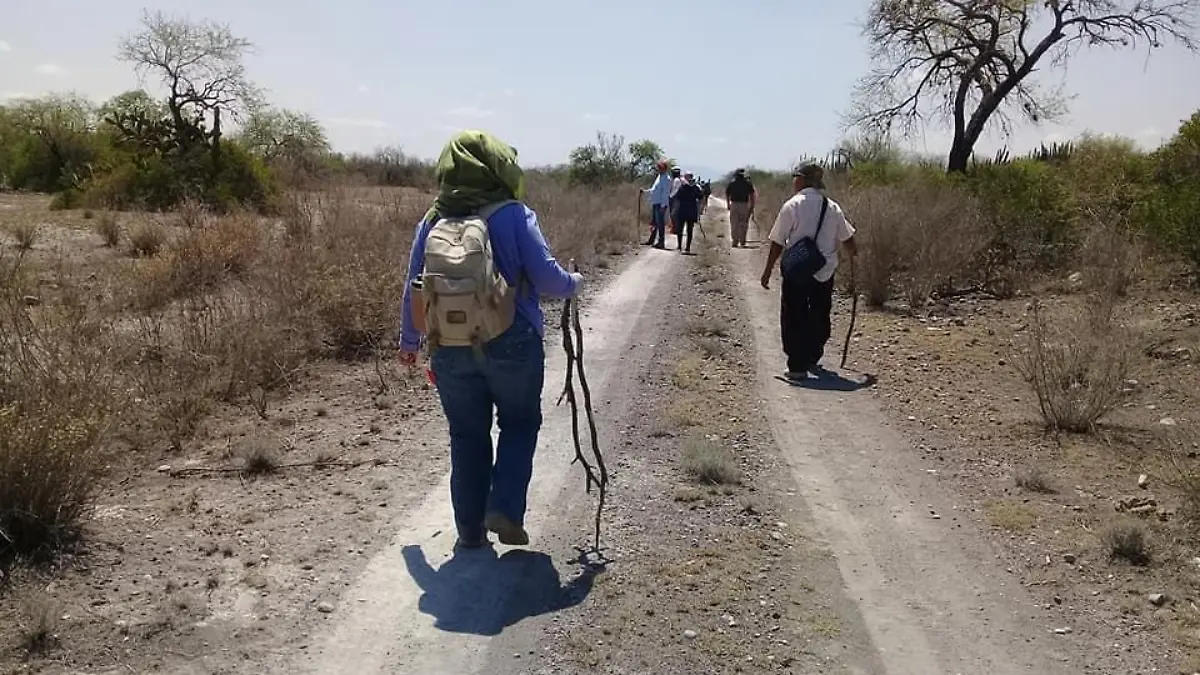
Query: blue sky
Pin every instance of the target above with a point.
(717, 83)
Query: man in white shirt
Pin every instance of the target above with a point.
(807, 300)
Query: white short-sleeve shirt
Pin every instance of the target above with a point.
(797, 219)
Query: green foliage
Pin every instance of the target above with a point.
(1172, 214)
(1031, 206)
(609, 161)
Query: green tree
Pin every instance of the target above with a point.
(283, 135)
(643, 155)
(50, 142)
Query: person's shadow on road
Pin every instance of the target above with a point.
(828, 380)
(478, 593)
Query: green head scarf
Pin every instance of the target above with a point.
(474, 170)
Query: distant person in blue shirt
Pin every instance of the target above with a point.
(659, 196)
(505, 375)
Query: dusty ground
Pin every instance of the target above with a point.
(950, 382)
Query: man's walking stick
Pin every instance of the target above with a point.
(640, 223)
(853, 314)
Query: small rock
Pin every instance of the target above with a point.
(165, 468)
(1167, 421)
(689, 634)
(1063, 631)
(1157, 599)
(1069, 558)
(325, 608)
(31, 300)
(1143, 481)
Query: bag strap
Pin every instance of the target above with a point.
(821, 220)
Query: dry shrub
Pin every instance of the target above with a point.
(1076, 364)
(202, 259)
(37, 622)
(147, 239)
(581, 222)
(1033, 479)
(1126, 540)
(919, 237)
(109, 229)
(879, 245)
(191, 213)
(1109, 257)
(57, 399)
(710, 462)
(25, 233)
(350, 272)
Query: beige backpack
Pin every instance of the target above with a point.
(466, 300)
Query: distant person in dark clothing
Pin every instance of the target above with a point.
(706, 192)
(739, 195)
(687, 210)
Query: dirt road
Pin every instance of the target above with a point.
(878, 542)
(417, 607)
(927, 585)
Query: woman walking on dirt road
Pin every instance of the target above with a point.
(480, 183)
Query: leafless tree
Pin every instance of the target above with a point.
(971, 62)
(201, 65)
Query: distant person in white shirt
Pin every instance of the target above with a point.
(807, 299)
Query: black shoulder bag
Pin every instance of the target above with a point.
(803, 259)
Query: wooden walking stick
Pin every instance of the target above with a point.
(597, 475)
(853, 314)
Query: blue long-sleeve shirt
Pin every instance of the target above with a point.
(660, 193)
(519, 250)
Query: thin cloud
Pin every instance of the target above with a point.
(718, 140)
(16, 95)
(510, 92)
(50, 70)
(364, 89)
(594, 117)
(5, 47)
(361, 123)
(470, 111)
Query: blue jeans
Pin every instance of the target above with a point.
(659, 214)
(507, 377)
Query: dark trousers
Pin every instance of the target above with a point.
(686, 226)
(804, 321)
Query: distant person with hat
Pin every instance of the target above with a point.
(687, 210)
(739, 195)
(807, 234)
(659, 196)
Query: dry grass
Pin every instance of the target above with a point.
(1033, 479)
(147, 239)
(37, 624)
(1127, 541)
(1076, 365)
(709, 462)
(25, 234)
(109, 229)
